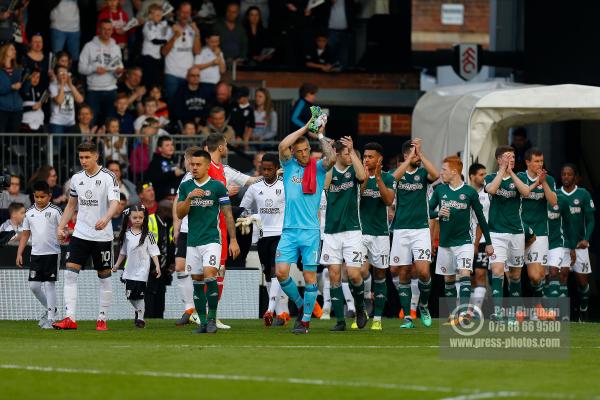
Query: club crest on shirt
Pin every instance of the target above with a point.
(417, 178)
(48, 214)
(462, 197)
(326, 257)
(576, 202)
(98, 182)
(512, 186)
(277, 192)
(347, 175)
(396, 259)
(207, 192)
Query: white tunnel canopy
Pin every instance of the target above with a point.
(473, 119)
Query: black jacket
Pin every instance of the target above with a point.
(161, 173)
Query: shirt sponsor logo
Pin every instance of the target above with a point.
(197, 202)
(454, 204)
(506, 193)
(296, 179)
(371, 193)
(575, 210)
(265, 210)
(535, 196)
(339, 188)
(411, 187)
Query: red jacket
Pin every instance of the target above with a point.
(119, 20)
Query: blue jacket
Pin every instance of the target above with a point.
(10, 100)
(300, 113)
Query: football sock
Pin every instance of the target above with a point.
(348, 296)
(311, 292)
(186, 289)
(414, 289)
(424, 292)
(380, 287)
(50, 288)
(38, 292)
(553, 289)
(514, 287)
(368, 282)
(584, 296)
(289, 287)
(564, 290)
(70, 292)
(274, 290)
(450, 289)
(538, 289)
(104, 296)
(139, 307)
(338, 301)
(497, 292)
(478, 296)
(358, 294)
(200, 300)
(212, 296)
(326, 289)
(405, 295)
(465, 290)
(282, 303)
(220, 286)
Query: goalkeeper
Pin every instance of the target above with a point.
(264, 202)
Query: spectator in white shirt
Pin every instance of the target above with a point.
(64, 28)
(64, 95)
(155, 36)
(211, 61)
(101, 62)
(183, 42)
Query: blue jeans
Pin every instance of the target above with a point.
(102, 103)
(342, 44)
(57, 141)
(172, 84)
(59, 40)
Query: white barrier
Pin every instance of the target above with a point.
(240, 297)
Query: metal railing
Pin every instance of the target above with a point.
(23, 154)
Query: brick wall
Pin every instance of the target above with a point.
(428, 33)
(368, 124)
(381, 81)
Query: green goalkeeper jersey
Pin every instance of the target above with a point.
(534, 207)
(455, 230)
(505, 207)
(373, 211)
(342, 202)
(581, 210)
(411, 201)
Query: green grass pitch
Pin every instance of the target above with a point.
(254, 362)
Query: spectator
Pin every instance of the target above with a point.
(193, 99)
(64, 28)
(121, 113)
(211, 61)
(64, 95)
(117, 220)
(206, 11)
(63, 59)
(115, 145)
(189, 128)
(217, 124)
(258, 50)
(340, 21)
(35, 60)
(261, 5)
(11, 104)
(150, 107)
(85, 116)
(183, 43)
(133, 88)
(139, 159)
(320, 57)
(119, 18)
(242, 116)
(13, 194)
(265, 116)
(162, 110)
(32, 95)
(287, 23)
(101, 63)
(256, 164)
(223, 97)
(147, 196)
(7, 19)
(48, 174)
(155, 36)
(16, 211)
(126, 187)
(301, 108)
(233, 37)
(521, 144)
(163, 171)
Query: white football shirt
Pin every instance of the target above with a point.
(184, 221)
(484, 199)
(94, 194)
(181, 56)
(268, 201)
(138, 257)
(43, 223)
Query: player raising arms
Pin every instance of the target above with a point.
(377, 193)
(581, 226)
(506, 227)
(95, 193)
(180, 232)
(266, 199)
(201, 199)
(412, 239)
(535, 217)
(456, 202)
(342, 241)
(303, 179)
